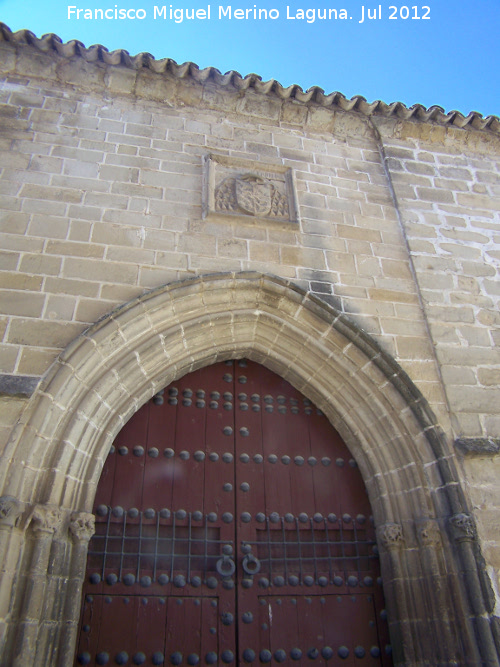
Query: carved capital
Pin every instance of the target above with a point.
(390, 535)
(10, 510)
(46, 519)
(428, 533)
(462, 527)
(82, 526)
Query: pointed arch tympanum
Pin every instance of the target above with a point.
(437, 599)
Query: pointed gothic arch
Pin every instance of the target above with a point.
(437, 598)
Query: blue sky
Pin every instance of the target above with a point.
(451, 59)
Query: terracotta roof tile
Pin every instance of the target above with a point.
(99, 53)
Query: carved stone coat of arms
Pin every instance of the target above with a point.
(252, 194)
(266, 192)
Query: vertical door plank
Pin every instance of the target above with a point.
(209, 638)
(151, 626)
(118, 625)
(90, 626)
(178, 644)
(127, 488)
(159, 471)
(310, 628)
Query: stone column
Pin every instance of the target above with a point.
(391, 540)
(447, 636)
(11, 542)
(81, 528)
(45, 521)
(463, 533)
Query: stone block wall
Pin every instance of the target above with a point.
(448, 196)
(101, 200)
(447, 188)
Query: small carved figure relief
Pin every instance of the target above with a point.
(10, 509)
(462, 527)
(82, 526)
(428, 532)
(47, 519)
(390, 535)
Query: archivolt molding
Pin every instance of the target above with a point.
(114, 367)
(57, 451)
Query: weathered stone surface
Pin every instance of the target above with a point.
(10, 509)
(483, 446)
(18, 385)
(390, 535)
(395, 224)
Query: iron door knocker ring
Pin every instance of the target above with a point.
(251, 564)
(225, 566)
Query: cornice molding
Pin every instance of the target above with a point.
(233, 81)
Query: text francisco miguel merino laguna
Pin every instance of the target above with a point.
(224, 12)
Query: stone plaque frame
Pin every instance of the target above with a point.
(251, 191)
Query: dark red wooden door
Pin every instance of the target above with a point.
(232, 528)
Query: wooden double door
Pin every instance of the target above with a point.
(232, 528)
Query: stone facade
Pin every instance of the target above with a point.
(156, 219)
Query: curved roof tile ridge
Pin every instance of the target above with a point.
(99, 53)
